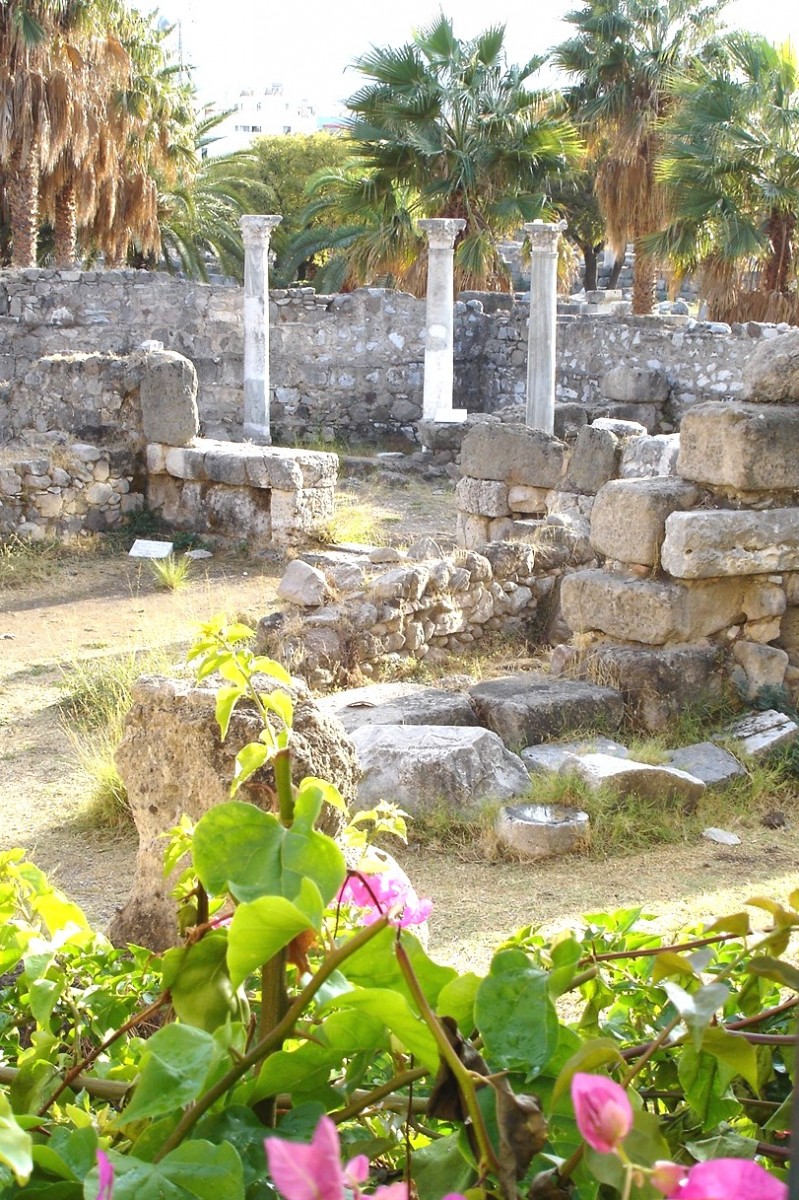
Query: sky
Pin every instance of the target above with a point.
(307, 44)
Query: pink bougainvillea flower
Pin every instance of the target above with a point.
(729, 1179)
(105, 1176)
(603, 1111)
(315, 1172)
(667, 1176)
(388, 890)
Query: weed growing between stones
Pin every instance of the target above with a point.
(356, 519)
(130, 1076)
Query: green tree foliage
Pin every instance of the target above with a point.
(282, 167)
(731, 166)
(622, 58)
(442, 128)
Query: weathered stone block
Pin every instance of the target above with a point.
(421, 767)
(471, 532)
(628, 520)
(706, 544)
(528, 708)
(771, 373)
(528, 499)
(594, 460)
(296, 514)
(761, 733)
(168, 396)
(760, 667)
(635, 385)
(746, 447)
(650, 611)
(628, 778)
(789, 629)
(184, 462)
(715, 766)
(303, 585)
(513, 454)
(485, 497)
(399, 704)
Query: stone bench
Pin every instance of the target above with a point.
(268, 495)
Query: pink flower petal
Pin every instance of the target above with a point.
(603, 1111)
(357, 1170)
(730, 1179)
(105, 1176)
(380, 892)
(667, 1176)
(391, 1191)
(312, 1172)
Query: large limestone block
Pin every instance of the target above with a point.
(303, 585)
(423, 767)
(758, 667)
(771, 373)
(745, 447)
(628, 520)
(657, 683)
(761, 734)
(635, 385)
(626, 777)
(594, 460)
(513, 454)
(173, 762)
(168, 396)
(651, 611)
(398, 704)
(528, 708)
(710, 543)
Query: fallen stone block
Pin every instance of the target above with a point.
(528, 708)
(759, 667)
(713, 542)
(712, 764)
(628, 778)
(760, 734)
(424, 767)
(399, 704)
(594, 460)
(644, 457)
(551, 758)
(303, 585)
(537, 831)
(628, 520)
(744, 447)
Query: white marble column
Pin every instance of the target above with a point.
(543, 324)
(437, 403)
(255, 232)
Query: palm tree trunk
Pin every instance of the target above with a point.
(780, 228)
(615, 272)
(589, 265)
(644, 279)
(66, 227)
(22, 190)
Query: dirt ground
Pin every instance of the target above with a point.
(92, 605)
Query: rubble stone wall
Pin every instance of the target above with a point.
(345, 367)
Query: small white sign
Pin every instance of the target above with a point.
(143, 548)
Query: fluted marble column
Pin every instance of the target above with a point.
(437, 401)
(543, 324)
(256, 231)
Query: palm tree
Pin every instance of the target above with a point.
(445, 128)
(731, 164)
(623, 57)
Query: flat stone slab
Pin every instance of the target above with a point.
(413, 705)
(745, 447)
(709, 543)
(543, 830)
(552, 758)
(424, 767)
(628, 520)
(712, 764)
(760, 734)
(242, 463)
(528, 708)
(629, 778)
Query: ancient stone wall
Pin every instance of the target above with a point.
(345, 368)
